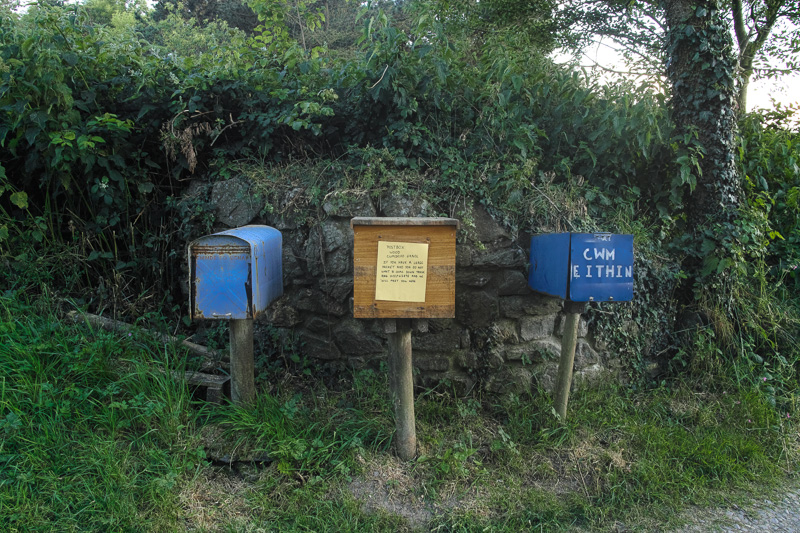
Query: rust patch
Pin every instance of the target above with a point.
(225, 249)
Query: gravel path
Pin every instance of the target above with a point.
(781, 514)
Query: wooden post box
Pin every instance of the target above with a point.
(404, 267)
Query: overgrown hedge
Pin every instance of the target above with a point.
(102, 127)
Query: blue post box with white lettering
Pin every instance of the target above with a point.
(579, 268)
(235, 274)
(582, 267)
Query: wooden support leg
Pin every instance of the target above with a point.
(243, 387)
(401, 385)
(569, 340)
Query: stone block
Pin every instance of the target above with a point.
(283, 315)
(505, 331)
(586, 376)
(532, 304)
(472, 278)
(353, 339)
(431, 362)
(513, 282)
(463, 255)
(313, 257)
(487, 230)
(317, 324)
(545, 375)
(583, 326)
(510, 380)
(585, 356)
(499, 259)
(338, 289)
(536, 327)
(444, 341)
(398, 205)
(234, 203)
(291, 267)
(314, 301)
(533, 351)
(334, 234)
(338, 262)
(476, 309)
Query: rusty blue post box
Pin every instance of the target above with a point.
(235, 274)
(582, 267)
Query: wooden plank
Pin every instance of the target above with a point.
(214, 385)
(213, 359)
(404, 221)
(441, 280)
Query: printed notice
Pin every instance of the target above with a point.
(402, 271)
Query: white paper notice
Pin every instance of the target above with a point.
(402, 271)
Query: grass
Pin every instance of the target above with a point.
(95, 435)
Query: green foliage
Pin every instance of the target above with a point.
(769, 157)
(277, 17)
(234, 13)
(96, 124)
(108, 11)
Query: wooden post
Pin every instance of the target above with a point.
(401, 385)
(243, 386)
(569, 340)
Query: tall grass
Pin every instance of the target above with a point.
(94, 435)
(97, 435)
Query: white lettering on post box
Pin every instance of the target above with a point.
(607, 271)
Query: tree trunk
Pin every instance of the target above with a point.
(702, 70)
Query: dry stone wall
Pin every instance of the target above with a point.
(504, 337)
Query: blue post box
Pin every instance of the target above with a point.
(235, 274)
(583, 267)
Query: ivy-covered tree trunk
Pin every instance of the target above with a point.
(701, 68)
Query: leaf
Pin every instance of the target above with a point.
(70, 58)
(708, 246)
(3, 232)
(20, 199)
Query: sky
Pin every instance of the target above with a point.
(784, 90)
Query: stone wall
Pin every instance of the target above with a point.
(505, 337)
